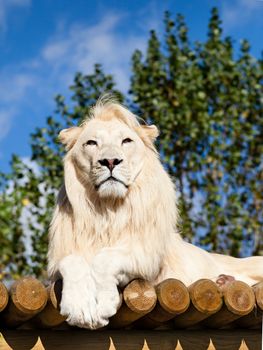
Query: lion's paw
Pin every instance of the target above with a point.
(109, 301)
(88, 299)
(79, 304)
(223, 280)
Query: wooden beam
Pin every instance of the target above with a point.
(134, 340)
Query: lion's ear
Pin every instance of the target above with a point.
(151, 131)
(69, 136)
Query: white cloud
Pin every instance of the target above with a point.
(14, 89)
(239, 12)
(5, 8)
(14, 85)
(80, 47)
(6, 116)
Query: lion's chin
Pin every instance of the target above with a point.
(112, 189)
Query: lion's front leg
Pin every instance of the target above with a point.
(79, 294)
(110, 268)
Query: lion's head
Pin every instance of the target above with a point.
(109, 149)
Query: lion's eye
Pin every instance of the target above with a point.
(127, 140)
(91, 143)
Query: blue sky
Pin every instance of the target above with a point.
(44, 42)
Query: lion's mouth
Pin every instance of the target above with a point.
(110, 178)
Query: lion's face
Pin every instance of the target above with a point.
(109, 155)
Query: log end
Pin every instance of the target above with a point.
(140, 296)
(206, 296)
(239, 298)
(173, 296)
(29, 295)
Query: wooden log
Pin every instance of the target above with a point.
(239, 300)
(258, 290)
(139, 298)
(173, 299)
(254, 318)
(3, 296)
(206, 299)
(50, 317)
(28, 296)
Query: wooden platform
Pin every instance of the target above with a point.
(168, 316)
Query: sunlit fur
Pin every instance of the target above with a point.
(125, 230)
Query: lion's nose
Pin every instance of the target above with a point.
(110, 163)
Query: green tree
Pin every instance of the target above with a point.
(14, 192)
(208, 106)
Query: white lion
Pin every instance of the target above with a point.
(116, 219)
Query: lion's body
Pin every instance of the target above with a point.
(141, 223)
(109, 231)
